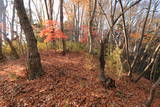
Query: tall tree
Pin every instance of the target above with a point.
(3, 30)
(106, 80)
(49, 8)
(90, 24)
(62, 27)
(1, 19)
(126, 38)
(33, 57)
(1, 54)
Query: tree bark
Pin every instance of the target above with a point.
(33, 57)
(30, 11)
(13, 50)
(152, 93)
(2, 21)
(12, 23)
(136, 58)
(107, 82)
(1, 54)
(62, 27)
(152, 60)
(110, 82)
(92, 15)
(126, 39)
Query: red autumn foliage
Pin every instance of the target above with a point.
(51, 31)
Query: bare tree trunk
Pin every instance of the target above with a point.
(141, 39)
(154, 67)
(1, 7)
(40, 20)
(21, 47)
(45, 2)
(153, 12)
(62, 27)
(12, 23)
(49, 12)
(152, 93)
(75, 23)
(1, 19)
(49, 8)
(126, 39)
(1, 54)
(30, 11)
(33, 57)
(152, 60)
(13, 50)
(78, 21)
(51, 2)
(3, 29)
(107, 82)
(92, 15)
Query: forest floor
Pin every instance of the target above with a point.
(69, 81)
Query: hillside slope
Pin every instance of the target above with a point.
(69, 81)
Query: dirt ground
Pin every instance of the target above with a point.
(69, 81)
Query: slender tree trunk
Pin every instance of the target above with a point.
(78, 21)
(30, 11)
(49, 11)
(13, 50)
(33, 57)
(154, 67)
(152, 93)
(106, 80)
(92, 15)
(2, 20)
(154, 57)
(45, 1)
(62, 27)
(1, 55)
(75, 23)
(136, 58)
(51, 2)
(40, 20)
(126, 39)
(12, 23)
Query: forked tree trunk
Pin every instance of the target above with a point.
(33, 57)
(152, 93)
(13, 49)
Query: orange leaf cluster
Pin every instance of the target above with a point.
(51, 31)
(137, 35)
